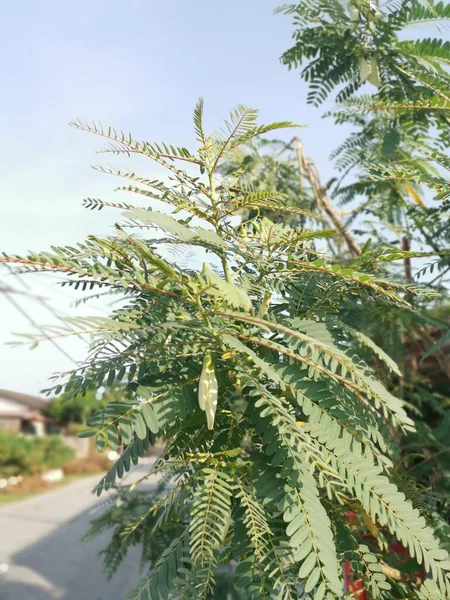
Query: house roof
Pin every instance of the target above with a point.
(25, 416)
(33, 402)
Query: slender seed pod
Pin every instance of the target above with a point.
(208, 390)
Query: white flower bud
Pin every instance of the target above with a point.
(354, 15)
(378, 15)
(365, 69)
(211, 401)
(374, 77)
(208, 391)
(354, 18)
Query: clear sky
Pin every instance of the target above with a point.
(139, 66)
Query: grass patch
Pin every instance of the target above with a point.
(15, 495)
(33, 485)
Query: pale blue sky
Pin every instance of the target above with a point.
(137, 65)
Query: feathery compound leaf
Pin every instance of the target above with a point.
(210, 516)
(382, 398)
(260, 130)
(159, 581)
(163, 221)
(374, 579)
(437, 345)
(198, 121)
(378, 351)
(130, 456)
(255, 520)
(175, 228)
(381, 500)
(311, 538)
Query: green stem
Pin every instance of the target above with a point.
(226, 270)
(212, 190)
(203, 312)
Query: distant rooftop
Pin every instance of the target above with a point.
(34, 402)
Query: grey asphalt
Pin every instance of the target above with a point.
(39, 541)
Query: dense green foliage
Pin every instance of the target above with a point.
(395, 179)
(271, 166)
(273, 369)
(400, 122)
(21, 455)
(303, 428)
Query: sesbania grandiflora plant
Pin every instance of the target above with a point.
(274, 429)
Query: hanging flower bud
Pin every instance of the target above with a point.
(354, 18)
(203, 383)
(378, 15)
(374, 76)
(211, 402)
(365, 69)
(375, 13)
(208, 390)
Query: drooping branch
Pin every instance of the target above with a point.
(308, 170)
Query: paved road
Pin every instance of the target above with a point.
(39, 540)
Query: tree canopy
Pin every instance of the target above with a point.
(283, 372)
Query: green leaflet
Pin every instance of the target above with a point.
(175, 228)
(150, 417)
(231, 293)
(139, 425)
(125, 429)
(265, 367)
(163, 221)
(87, 433)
